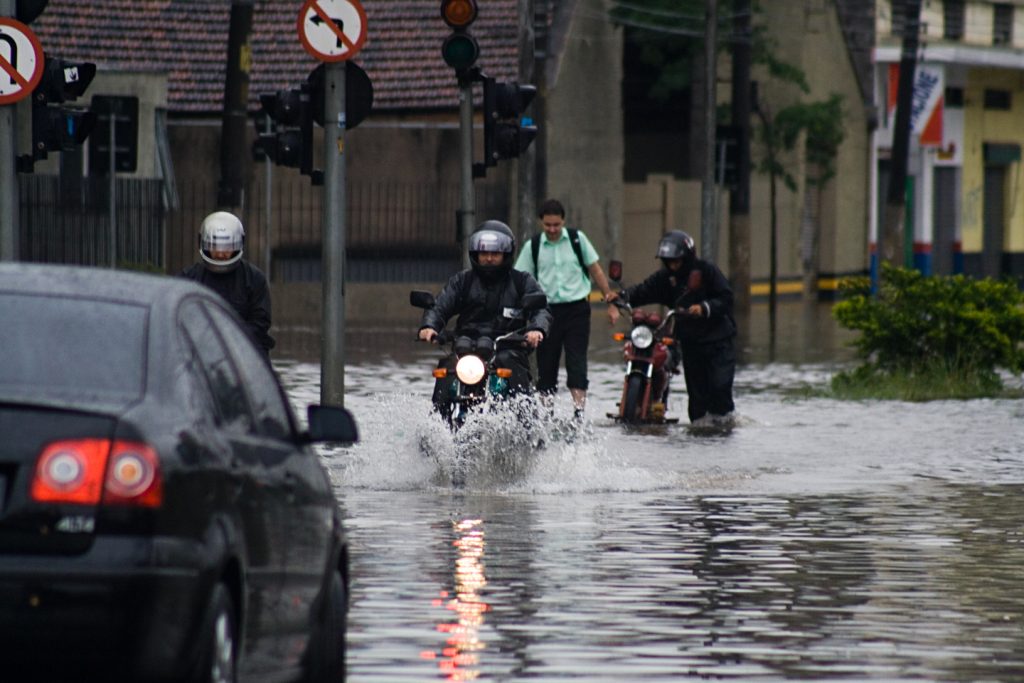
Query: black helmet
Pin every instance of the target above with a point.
(492, 236)
(677, 244)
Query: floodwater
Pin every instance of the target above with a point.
(814, 540)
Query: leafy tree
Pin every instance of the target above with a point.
(955, 328)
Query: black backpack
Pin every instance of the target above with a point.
(574, 238)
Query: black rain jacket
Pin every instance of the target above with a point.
(245, 288)
(703, 284)
(487, 309)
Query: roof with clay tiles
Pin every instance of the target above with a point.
(188, 39)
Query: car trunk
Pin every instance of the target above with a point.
(28, 526)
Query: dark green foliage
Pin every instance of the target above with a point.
(933, 331)
(823, 123)
(668, 35)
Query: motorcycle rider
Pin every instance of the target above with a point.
(704, 327)
(487, 298)
(222, 269)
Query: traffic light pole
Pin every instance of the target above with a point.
(112, 179)
(709, 211)
(467, 210)
(332, 347)
(8, 172)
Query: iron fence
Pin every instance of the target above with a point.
(395, 232)
(63, 222)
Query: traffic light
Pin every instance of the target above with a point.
(64, 80)
(460, 49)
(291, 142)
(55, 126)
(507, 133)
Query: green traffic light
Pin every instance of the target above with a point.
(460, 51)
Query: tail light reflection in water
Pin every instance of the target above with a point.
(459, 657)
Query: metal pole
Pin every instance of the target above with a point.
(230, 192)
(332, 352)
(268, 177)
(112, 229)
(707, 205)
(895, 205)
(467, 210)
(526, 190)
(8, 171)
(739, 195)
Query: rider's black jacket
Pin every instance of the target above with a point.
(487, 308)
(245, 288)
(703, 284)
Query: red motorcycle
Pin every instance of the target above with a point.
(645, 386)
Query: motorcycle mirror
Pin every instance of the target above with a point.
(421, 299)
(534, 302)
(615, 270)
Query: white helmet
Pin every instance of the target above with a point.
(221, 231)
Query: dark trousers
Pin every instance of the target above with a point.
(570, 329)
(709, 370)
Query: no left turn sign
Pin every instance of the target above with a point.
(21, 61)
(332, 30)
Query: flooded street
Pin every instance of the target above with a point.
(815, 540)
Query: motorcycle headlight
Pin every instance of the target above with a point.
(642, 337)
(470, 369)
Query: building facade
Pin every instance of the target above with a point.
(964, 193)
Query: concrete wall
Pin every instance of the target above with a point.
(585, 146)
(843, 223)
(808, 35)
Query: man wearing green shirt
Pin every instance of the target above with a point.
(564, 261)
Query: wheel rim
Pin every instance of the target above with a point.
(223, 651)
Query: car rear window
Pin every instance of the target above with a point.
(71, 349)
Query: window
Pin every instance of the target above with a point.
(1002, 24)
(225, 386)
(268, 404)
(81, 350)
(997, 99)
(954, 98)
(953, 19)
(899, 16)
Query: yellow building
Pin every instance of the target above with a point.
(964, 172)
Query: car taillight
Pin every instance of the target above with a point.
(71, 472)
(133, 476)
(85, 471)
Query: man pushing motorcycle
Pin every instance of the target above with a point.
(704, 327)
(488, 299)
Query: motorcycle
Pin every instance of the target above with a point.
(478, 377)
(645, 386)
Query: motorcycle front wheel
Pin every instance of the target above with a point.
(633, 402)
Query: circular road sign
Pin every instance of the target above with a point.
(332, 30)
(21, 61)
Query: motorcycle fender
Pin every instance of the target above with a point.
(498, 386)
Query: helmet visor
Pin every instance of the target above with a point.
(490, 241)
(221, 241)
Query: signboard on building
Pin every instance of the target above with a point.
(927, 106)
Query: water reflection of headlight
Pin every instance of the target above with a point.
(642, 337)
(470, 369)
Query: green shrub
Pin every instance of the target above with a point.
(922, 331)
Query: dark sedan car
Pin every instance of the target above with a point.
(162, 516)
